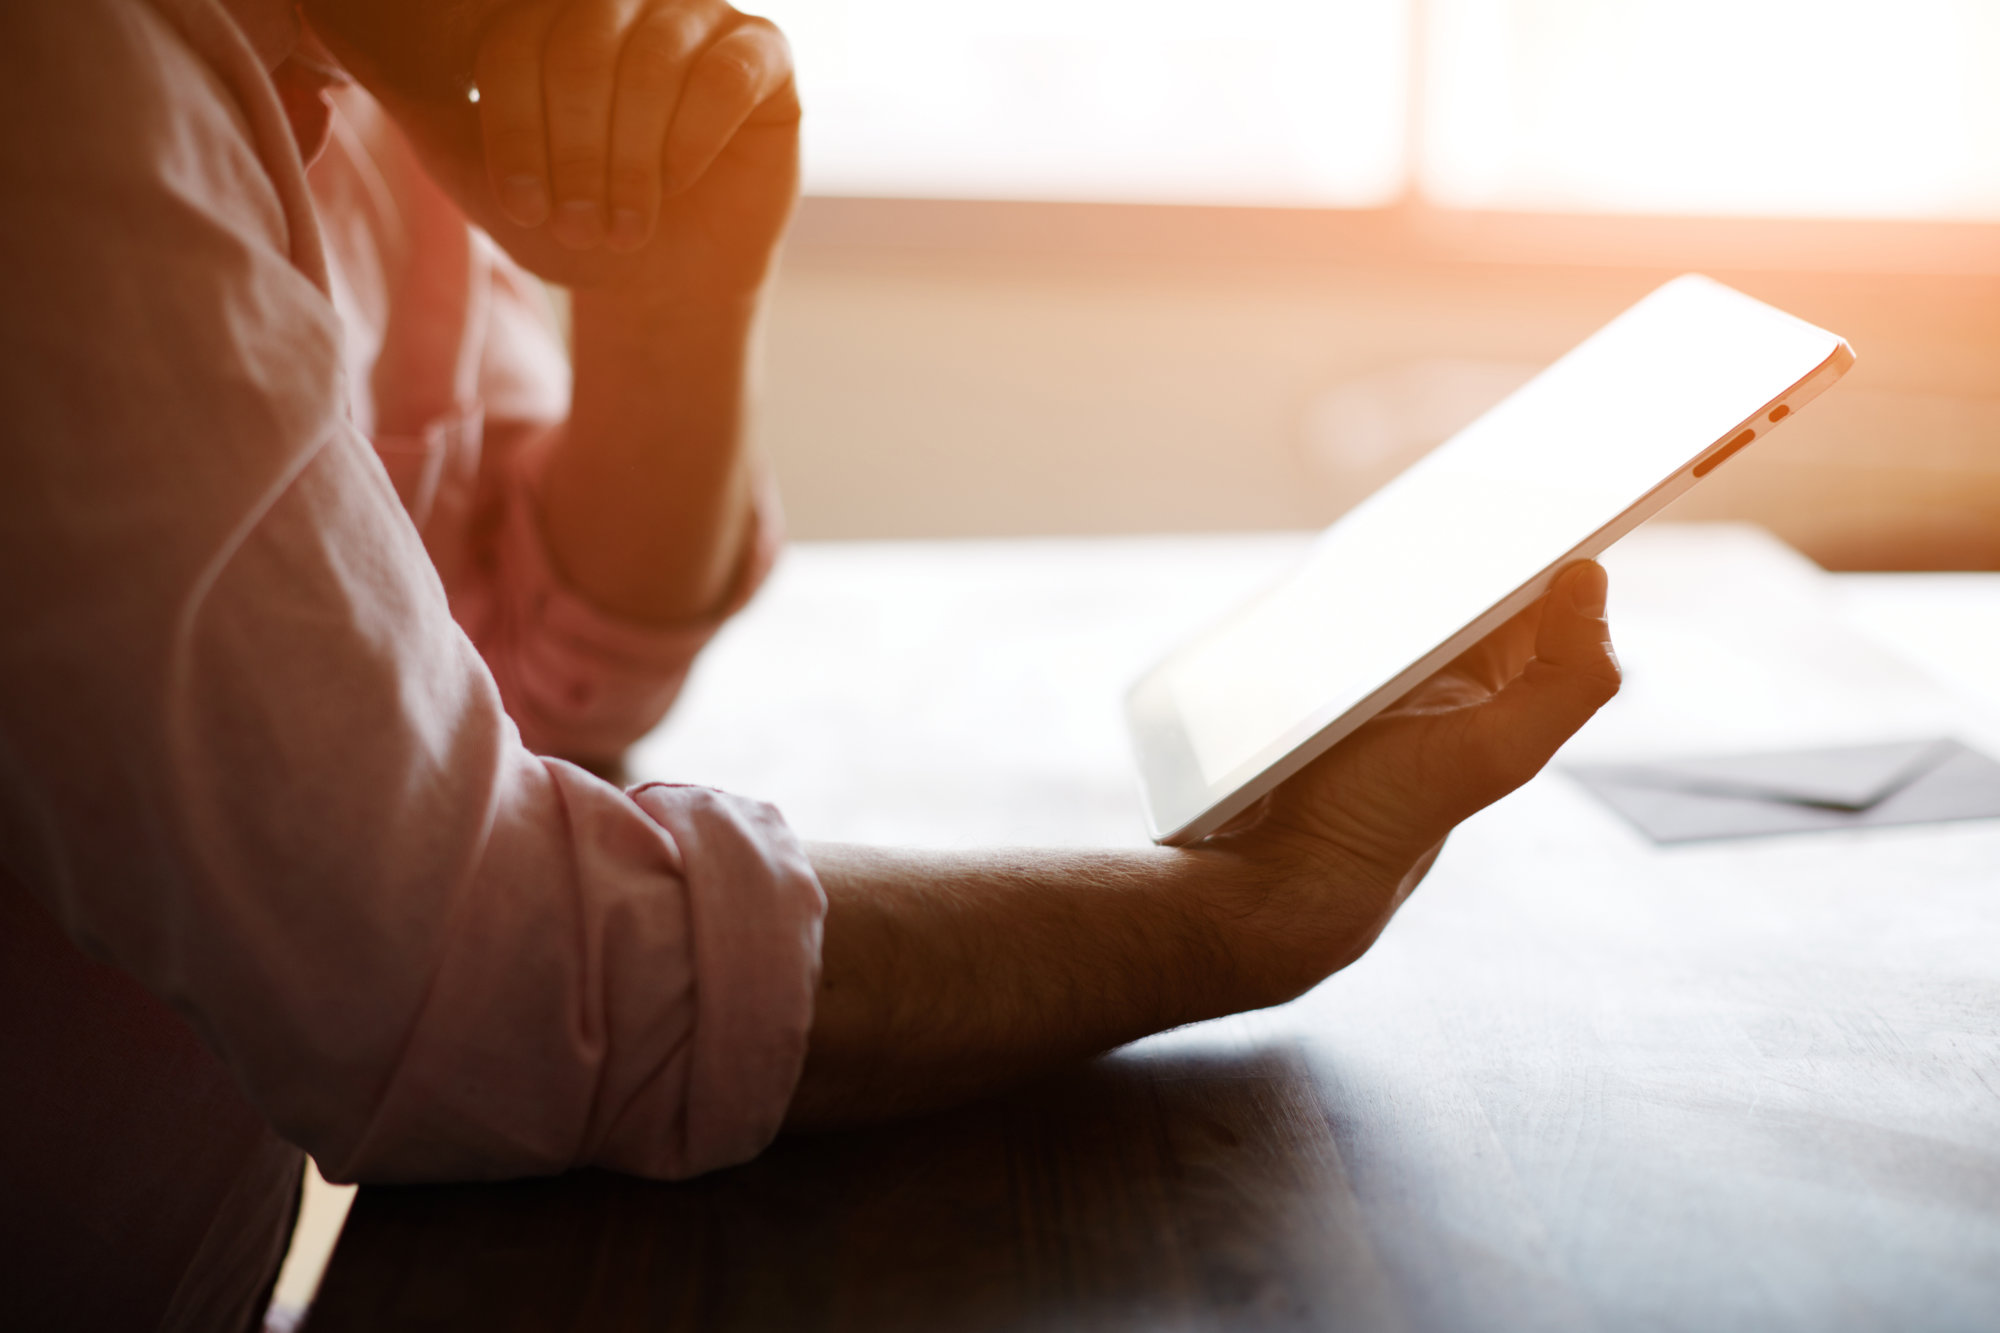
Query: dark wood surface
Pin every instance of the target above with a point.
(1583, 1083)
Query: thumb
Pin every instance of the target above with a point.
(1573, 673)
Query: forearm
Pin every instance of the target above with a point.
(647, 499)
(945, 975)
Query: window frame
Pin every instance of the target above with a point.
(1412, 231)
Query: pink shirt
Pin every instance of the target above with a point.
(272, 694)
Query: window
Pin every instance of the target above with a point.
(1831, 108)
(1285, 102)
(1854, 108)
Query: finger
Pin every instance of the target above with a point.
(652, 71)
(579, 72)
(1479, 672)
(745, 76)
(1573, 673)
(1573, 634)
(508, 71)
(1499, 657)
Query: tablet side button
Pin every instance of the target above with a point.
(1722, 455)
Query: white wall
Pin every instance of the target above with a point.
(970, 390)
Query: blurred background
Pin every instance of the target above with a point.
(1152, 265)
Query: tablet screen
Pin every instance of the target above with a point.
(1510, 500)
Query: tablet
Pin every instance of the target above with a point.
(1466, 537)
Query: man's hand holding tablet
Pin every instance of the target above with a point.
(1310, 754)
(1324, 861)
(946, 974)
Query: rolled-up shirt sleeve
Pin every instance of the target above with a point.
(466, 387)
(577, 680)
(246, 753)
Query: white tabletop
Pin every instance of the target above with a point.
(965, 693)
(1582, 1081)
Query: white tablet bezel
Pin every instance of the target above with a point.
(1182, 806)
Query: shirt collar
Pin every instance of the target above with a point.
(302, 70)
(273, 27)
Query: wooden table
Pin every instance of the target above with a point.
(1582, 1083)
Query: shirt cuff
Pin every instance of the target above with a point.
(756, 913)
(586, 683)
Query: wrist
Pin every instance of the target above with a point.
(716, 313)
(1286, 916)
(1237, 905)
(647, 499)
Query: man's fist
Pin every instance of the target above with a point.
(643, 145)
(594, 111)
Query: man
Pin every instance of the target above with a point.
(309, 555)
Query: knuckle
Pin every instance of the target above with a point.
(668, 33)
(632, 181)
(577, 114)
(777, 46)
(575, 165)
(650, 60)
(575, 69)
(729, 73)
(579, 53)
